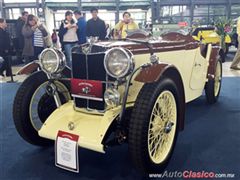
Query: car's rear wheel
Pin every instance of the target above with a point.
(213, 86)
(222, 55)
(33, 105)
(153, 127)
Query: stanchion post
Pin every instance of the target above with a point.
(9, 68)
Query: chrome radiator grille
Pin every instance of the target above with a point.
(89, 67)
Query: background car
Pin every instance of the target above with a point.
(208, 35)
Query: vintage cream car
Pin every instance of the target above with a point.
(125, 91)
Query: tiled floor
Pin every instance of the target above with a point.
(227, 72)
(19, 78)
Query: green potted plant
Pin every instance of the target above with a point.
(223, 28)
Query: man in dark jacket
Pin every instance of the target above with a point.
(95, 26)
(19, 26)
(81, 23)
(4, 47)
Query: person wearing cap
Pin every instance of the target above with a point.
(95, 26)
(236, 59)
(81, 23)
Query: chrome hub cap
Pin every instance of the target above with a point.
(35, 102)
(168, 127)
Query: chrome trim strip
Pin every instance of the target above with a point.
(87, 97)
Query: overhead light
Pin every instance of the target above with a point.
(102, 10)
(134, 10)
(61, 11)
(40, 10)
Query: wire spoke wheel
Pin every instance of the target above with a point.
(154, 125)
(162, 127)
(213, 86)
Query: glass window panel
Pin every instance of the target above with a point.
(14, 13)
(205, 10)
(31, 10)
(134, 0)
(61, 1)
(174, 11)
(22, 1)
(217, 10)
(201, 10)
(235, 11)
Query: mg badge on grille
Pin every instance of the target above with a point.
(86, 90)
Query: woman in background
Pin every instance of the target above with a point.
(68, 35)
(123, 26)
(36, 38)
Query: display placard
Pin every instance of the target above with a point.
(66, 151)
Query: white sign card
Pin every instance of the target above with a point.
(66, 151)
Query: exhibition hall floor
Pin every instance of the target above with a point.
(210, 143)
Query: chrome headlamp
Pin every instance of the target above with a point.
(118, 62)
(112, 97)
(52, 61)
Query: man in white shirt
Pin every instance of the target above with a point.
(236, 59)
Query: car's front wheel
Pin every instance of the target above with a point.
(33, 105)
(153, 127)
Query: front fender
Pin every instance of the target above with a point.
(155, 72)
(29, 68)
(152, 73)
(92, 129)
(213, 62)
(35, 66)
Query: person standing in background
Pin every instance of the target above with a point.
(35, 35)
(95, 26)
(4, 48)
(41, 38)
(81, 23)
(108, 32)
(236, 60)
(55, 40)
(19, 26)
(123, 26)
(68, 36)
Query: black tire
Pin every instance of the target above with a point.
(211, 94)
(222, 55)
(21, 109)
(139, 124)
